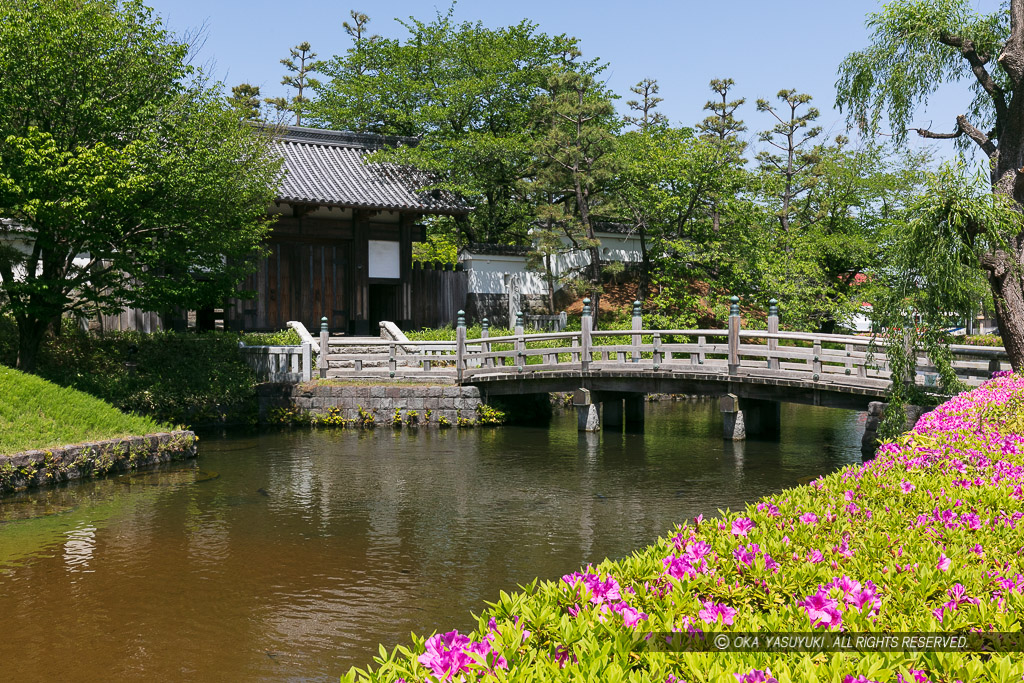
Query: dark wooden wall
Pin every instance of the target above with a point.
(298, 281)
(129, 319)
(319, 267)
(437, 294)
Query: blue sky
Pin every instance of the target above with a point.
(764, 45)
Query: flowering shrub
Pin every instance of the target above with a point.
(924, 538)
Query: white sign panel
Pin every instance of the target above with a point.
(384, 259)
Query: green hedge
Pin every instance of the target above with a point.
(181, 378)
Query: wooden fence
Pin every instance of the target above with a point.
(438, 292)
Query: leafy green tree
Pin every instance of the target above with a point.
(124, 178)
(916, 46)
(300, 81)
(574, 151)
(686, 196)
(464, 90)
(245, 101)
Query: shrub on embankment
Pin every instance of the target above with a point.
(36, 414)
(192, 379)
(924, 538)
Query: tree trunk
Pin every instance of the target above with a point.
(30, 338)
(1008, 294)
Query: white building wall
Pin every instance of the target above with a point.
(488, 273)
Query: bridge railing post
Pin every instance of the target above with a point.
(460, 344)
(638, 324)
(773, 328)
(520, 343)
(485, 332)
(392, 359)
(816, 361)
(734, 335)
(325, 343)
(307, 361)
(585, 326)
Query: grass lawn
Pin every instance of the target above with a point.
(35, 413)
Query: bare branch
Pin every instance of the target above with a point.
(963, 127)
(973, 133)
(937, 136)
(978, 60)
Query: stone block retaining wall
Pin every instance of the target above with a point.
(46, 467)
(381, 400)
(869, 442)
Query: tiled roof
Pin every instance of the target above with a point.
(327, 168)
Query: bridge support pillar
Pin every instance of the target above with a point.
(611, 414)
(587, 418)
(733, 427)
(635, 405)
(749, 417)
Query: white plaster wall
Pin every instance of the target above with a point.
(487, 274)
(384, 259)
(487, 271)
(25, 247)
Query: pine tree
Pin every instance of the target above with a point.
(722, 127)
(245, 101)
(300, 81)
(722, 123)
(574, 153)
(648, 90)
(795, 162)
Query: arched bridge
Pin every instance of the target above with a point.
(753, 370)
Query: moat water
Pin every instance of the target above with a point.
(290, 556)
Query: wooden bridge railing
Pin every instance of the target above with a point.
(845, 359)
(830, 358)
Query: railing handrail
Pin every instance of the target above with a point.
(839, 359)
(535, 336)
(387, 342)
(664, 333)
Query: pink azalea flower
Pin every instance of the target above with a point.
(809, 518)
(630, 616)
(919, 676)
(821, 609)
(944, 563)
(449, 654)
(906, 487)
(712, 611)
(742, 526)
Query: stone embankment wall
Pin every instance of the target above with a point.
(869, 442)
(382, 400)
(46, 467)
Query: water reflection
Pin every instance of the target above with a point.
(79, 547)
(309, 548)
